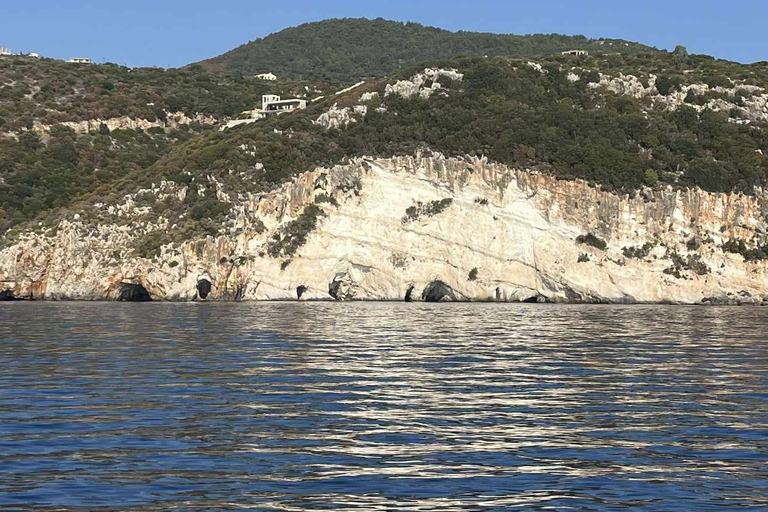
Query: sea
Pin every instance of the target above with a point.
(367, 406)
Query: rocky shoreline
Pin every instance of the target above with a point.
(421, 228)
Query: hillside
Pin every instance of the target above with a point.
(67, 129)
(507, 178)
(346, 50)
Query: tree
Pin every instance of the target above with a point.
(651, 177)
(680, 51)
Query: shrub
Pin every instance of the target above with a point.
(430, 209)
(593, 241)
(760, 252)
(692, 263)
(209, 209)
(294, 234)
(472, 274)
(651, 177)
(693, 244)
(638, 252)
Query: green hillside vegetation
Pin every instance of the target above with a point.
(40, 172)
(51, 91)
(38, 176)
(503, 109)
(345, 50)
(511, 113)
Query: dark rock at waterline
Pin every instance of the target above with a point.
(342, 287)
(536, 299)
(300, 291)
(8, 295)
(438, 291)
(334, 288)
(203, 288)
(408, 294)
(134, 293)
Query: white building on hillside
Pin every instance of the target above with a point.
(267, 76)
(5, 51)
(577, 53)
(272, 104)
(80, 60)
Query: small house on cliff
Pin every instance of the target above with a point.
(577, 53)
(272, 104)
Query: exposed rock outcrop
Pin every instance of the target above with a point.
(342, 287)
(337, 117)
(748, 103)
(526, 230)
(423, 84)
(172, 120)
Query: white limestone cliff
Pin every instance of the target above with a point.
(399, 227)
(423, 84)
(749, 108)
(337, 117)
(172, 120)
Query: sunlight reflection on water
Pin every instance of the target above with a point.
(382, 406)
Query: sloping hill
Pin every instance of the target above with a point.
(349, 49)
(627, 163)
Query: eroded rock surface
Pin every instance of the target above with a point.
(519, 228)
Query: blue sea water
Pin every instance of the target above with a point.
(382, 406)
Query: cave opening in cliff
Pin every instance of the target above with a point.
(438, 291)
(134, 293)
(203, 288)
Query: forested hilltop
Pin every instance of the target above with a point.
(346, 50)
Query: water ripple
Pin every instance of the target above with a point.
(382, 406)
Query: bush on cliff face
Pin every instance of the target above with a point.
(592, 241)
(692, 263)
(736, 246)
(638, 252)
(430, 209)
(294, 234)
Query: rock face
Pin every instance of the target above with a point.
(742, 109)
(392, 228)
(172, 120)
(337, 117)
(423, 84)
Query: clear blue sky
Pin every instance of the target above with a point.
(177, 32)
